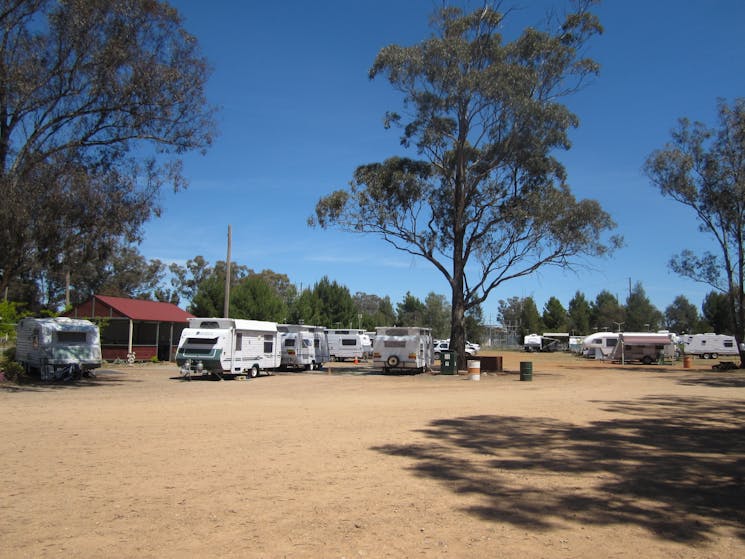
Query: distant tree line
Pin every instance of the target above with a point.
(269, 295)
(199, 287)
(606, 312)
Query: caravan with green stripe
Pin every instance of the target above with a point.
(228, 347)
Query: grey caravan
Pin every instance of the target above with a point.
(59, 348)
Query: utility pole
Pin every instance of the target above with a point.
(226, 308)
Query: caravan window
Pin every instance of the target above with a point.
(394, 343)
(201, 341)
(729, 343)
(209, 324)
(268, 346)
(316, 343)
(349, 341)
(611, 342)
(306, 343)
(289, 342)
(71, 337)
(238, 342)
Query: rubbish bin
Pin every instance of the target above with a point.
(447, 362)
(526, 370)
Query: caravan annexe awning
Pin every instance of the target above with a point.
(645, 339)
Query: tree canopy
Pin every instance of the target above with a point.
(682, 316)
(98, 100)
(579, 313)
(606, 313)
(555, 316)
(487, 193)
(641, 315)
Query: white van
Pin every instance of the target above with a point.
(227, 346)
(403, 348)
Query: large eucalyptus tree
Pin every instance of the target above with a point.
(704, 169)
(98, 99)
(486, 201)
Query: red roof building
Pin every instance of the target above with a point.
(145, 329)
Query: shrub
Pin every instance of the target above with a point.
(13, 371)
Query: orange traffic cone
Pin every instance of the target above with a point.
(355, 360)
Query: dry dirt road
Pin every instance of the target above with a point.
(587, 460)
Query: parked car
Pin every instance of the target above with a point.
(444, 345)
(474, 346)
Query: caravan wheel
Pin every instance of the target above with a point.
(392, 361)
(254, 372)
(714, 355)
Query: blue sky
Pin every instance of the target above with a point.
(298, 114)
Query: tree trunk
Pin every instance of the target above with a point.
(457, 318)
(458, 330)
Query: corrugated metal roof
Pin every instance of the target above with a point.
(137, 309)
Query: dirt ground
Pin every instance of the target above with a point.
(586, 460)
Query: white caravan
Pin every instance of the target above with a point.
(403, 348)
(546, 342)
(709, 346)
(644, 347)
(599, 345)
(59, 348)
(303, 347)
(227, 346)
(348, 344)
(532, 342)
(575, 344)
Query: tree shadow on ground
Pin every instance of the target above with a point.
(101, 378)
(674, 466)
(718, 380)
